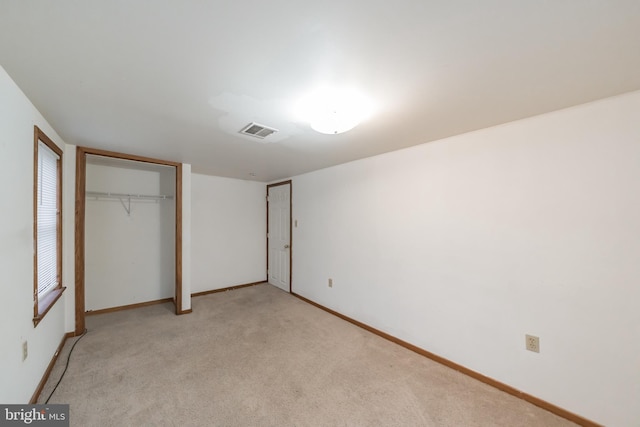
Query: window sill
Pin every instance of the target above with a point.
(45, 304)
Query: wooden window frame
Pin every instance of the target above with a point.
(41, 306)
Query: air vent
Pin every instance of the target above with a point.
(257, 130)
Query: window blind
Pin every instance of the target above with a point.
(47, 220)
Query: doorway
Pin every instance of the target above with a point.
(279, 235)
(81, 179)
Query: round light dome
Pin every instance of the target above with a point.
(333, 111)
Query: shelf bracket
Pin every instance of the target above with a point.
(126, 207)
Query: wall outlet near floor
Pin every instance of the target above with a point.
(331, 283)
(25, 350)
(532, 343)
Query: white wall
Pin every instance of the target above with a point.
(464, 245)
(130, 258)
(228, 242)
(186, 237)
(20, 379)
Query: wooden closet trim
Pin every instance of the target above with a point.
(123, 156)
(81, 180)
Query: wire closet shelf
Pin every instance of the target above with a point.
(128, 197)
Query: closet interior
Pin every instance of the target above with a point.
(129, 232)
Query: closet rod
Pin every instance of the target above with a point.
(128, 196)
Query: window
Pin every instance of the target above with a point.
(47, 210)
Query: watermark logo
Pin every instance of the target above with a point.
(34, 415)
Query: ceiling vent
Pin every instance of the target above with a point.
(258, 130)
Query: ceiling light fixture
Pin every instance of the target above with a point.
(334, 111)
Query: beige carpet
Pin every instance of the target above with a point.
(260, 357)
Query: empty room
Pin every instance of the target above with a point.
(413, 213)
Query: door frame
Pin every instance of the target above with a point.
(277, 184)
(81, 181)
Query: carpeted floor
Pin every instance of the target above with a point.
(258, 356)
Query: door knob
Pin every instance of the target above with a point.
(286, 246)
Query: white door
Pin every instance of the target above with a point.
(279, 235)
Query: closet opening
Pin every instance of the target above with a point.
(128, 232)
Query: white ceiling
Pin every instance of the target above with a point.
(178, 79)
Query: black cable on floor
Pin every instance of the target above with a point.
(66, 366)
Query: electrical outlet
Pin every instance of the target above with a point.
(532, 343)
(331, 283)
(25, 350)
